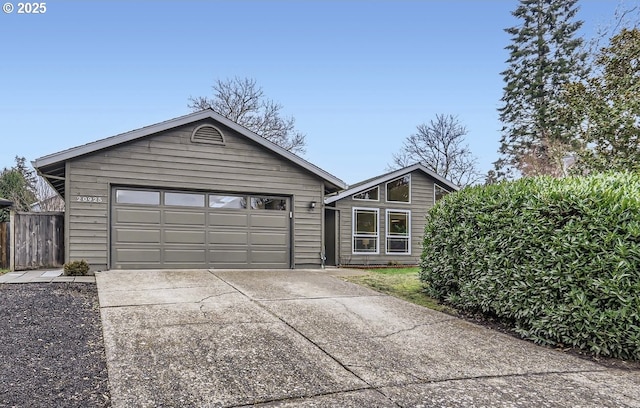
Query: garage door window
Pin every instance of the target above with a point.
(184, 199)
(227, 201)
(138, 197)
(268, 203)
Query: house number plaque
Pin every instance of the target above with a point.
(89, 199)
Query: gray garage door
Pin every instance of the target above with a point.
(180, 229)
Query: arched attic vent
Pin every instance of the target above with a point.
(207, 134)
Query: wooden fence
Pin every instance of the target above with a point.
(38, 240)
(5, 244)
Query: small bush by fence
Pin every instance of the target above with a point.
(557, 259)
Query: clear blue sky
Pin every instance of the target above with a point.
(358, 76)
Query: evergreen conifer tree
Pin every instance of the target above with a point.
(545, 53)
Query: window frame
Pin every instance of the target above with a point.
(436, 186)
(388, 236)
(265, 197)
(353, 197)
(243, 200)
(386, 190)
(157, 193)
(355, 235)
(175, 194)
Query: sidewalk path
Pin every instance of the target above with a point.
(41, 276)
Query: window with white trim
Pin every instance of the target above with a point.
(369, 195)
(438, 192)
(399, 190)
(398, 232)
(365, 231)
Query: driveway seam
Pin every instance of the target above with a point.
(369, 386)
(322, 394)
(420, 380)
(523, 375)
(318, 298)
(170, 303)
(384, 336)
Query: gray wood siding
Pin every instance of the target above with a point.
(170, 160)
(421, 202)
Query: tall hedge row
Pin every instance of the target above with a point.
(559, 259)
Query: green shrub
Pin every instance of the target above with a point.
(559, 260)
(76, 268)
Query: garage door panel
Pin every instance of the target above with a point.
(139, 255)
(266, 238)
(277, 220)
(227, 256)
(184, 218)
(139, 236)
(184, 237)
(228, 219)
(137, 216)
(185, 255)
(272, 257)
(228, 237)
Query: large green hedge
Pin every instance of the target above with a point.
(557, 259)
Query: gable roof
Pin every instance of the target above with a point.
(52, 167)
(372, 182)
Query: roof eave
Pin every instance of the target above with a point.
(92, 147)
(390, 176)
(4, 203)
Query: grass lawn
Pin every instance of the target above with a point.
(399, 282)
(3, 271)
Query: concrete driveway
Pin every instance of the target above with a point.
(305, 338)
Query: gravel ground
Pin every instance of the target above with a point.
(51, 348)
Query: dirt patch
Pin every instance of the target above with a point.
(51, 347)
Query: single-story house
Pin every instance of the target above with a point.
(201, 191)
(381, 221)
(198, 191)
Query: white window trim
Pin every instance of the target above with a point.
(353, 231)
(364, 191)
(436, 185)
(386, 196)
(387, 235)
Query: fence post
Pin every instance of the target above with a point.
(12, 240)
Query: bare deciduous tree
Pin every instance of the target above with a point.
(549, 157)
(624, 17)
(47, 198)
(440, 146)
(244, 102)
